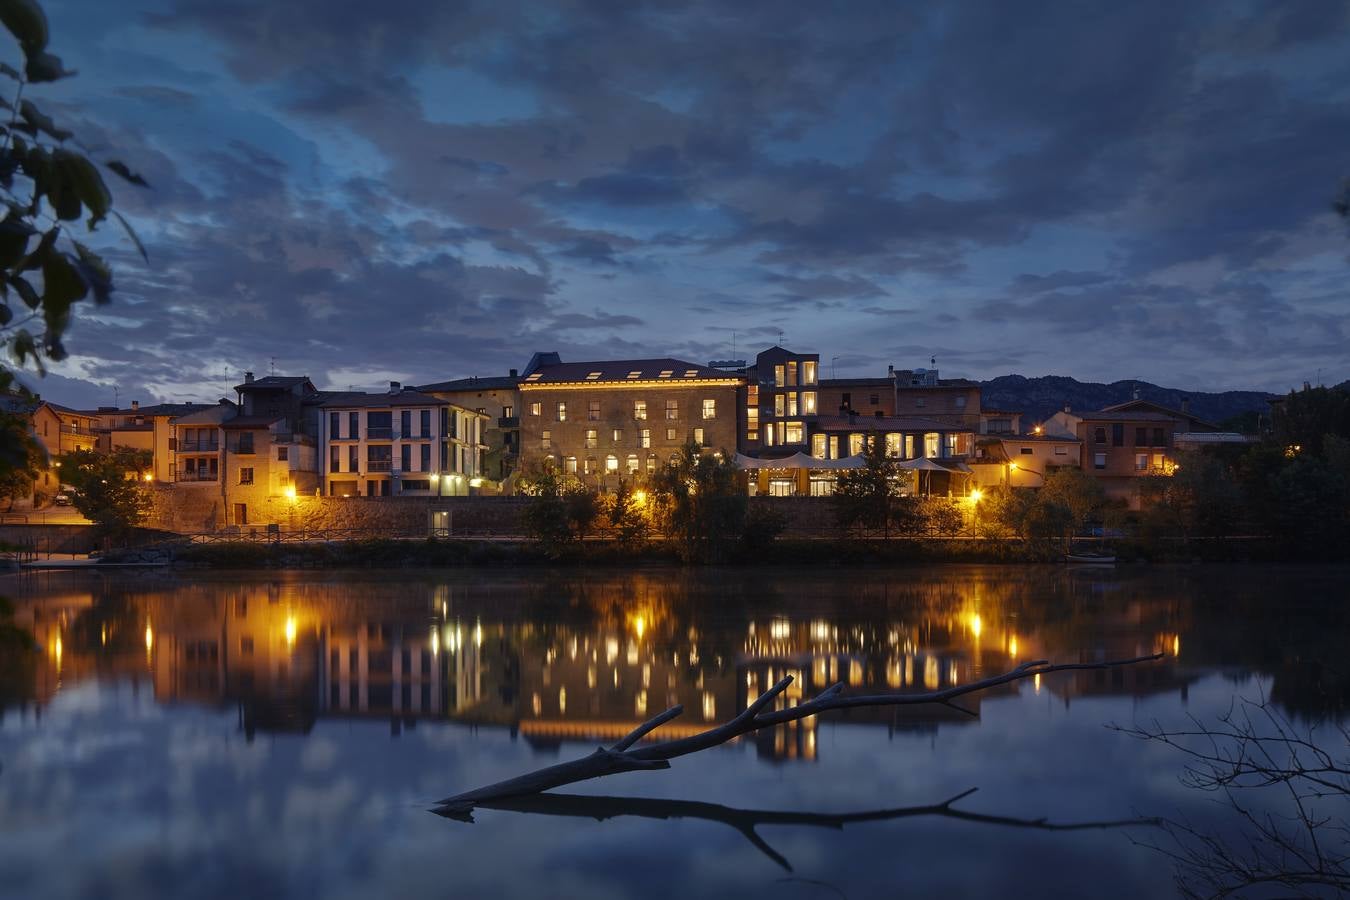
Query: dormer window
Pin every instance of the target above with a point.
(593, 376)
(691, 373)
(534, 377)
(637, 373)
(666, 373)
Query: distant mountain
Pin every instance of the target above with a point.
(1040, 398)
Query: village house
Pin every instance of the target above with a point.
(498, 399)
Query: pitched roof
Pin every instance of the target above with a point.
(272, 382)
(620, 371)
(405, 397)
(1127, 415)
(1167, 410)
(490, 383)
(239, 423)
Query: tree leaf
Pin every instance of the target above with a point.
(39, 254)
(41, 121)
(25, 291)
(83, 177)
(6, 314)
(95, 272)
(27, 22)
(7, 69)
(23, 346)
(44, 66)
(131, 233)
(121, 169)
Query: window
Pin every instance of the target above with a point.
(1117, 435)
(834, 446)
(1159, 440)
(709, 409)
(405, 423)
(592, 439)
(808, 403)
(874, 399)
(1099, 460)
(670, 434)
(792, 404)
(920, 402)
(335, 459)
(1026, 451)
(562, 410)
(424, 420)
(353, 459)
(536, 408)
(1158, 461)
(508, 412)
(752, 395)
(632, 464)
(416, 484)
(646, 437)
(894, 444)
(809, 372)
(546, 440)
(818, 446)
(782, 487)
(639, 409)
(855, 444)
(1141, 437)
(666, 373)
(793, 433)
(618, 435)
(1099, 435)
(672, 409)
(769, 435)
(636, 373)
(778, 376)
(651, 462)
(949, 445)
(246, 475)
(283, 454)
(448, 422)
(570, 465)
(593, 411)
(405, 457)
(353, 425)
(930, 444)
(698, 436)
(1140, 462)
(822, 487)
(780, 405)
(960, 402)
(588, 467)
(1061, 450)
(334, 420)
(792, 373)
(846, 401)
(424, 458)
(611, 463)
(593, 376)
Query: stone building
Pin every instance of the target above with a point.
(614, 418)
(498, 399)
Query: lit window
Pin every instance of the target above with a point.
(808, 403)
(752, 395)
(536, 408)
(618, 435)
(611, 463)
(651, 462)
(769, 435)
(636, 373)
(562, 411)
(894, 444)
(1141, 462)
(793, 433)
(792, 373)
(792, 404)
(778, 376)
(691, 373)
(818, 446)
(588, 467)
(592, 439)
(593, 411)
(752, 416)
(646, 437)
(670, 434)
(809, 371)
(666, 373)
(780, 405)
(592, 376)
(639, 409)
(672, 409)
(246, 476)
(709, 409)
(1158, 461)
(535, 377)
(546, 440)
(570, 465)
(632, 464)
(698, 436)
(932, 444)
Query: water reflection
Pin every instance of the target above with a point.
(566, 657)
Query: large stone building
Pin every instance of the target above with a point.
(605, 420)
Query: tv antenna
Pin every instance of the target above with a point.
(273, 370)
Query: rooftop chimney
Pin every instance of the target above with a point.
(1136, 392)
(248, 377)
(395, 387)
(1066, 408)
(135, 404)
(514, 374)
(890, 370)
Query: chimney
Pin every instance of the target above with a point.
(514, 374)
(135, 404)
(890, 370)
(1185, 404)
(1066, 408)
(248, 378)
(395, 387)
(1136, 392)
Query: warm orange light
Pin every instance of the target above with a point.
(640, 496)
(975, 495)
(290, 492)
(1012, 465)
(149, 476)
(290, 629)
(976, 624)
(149, 637)
(1012, 646)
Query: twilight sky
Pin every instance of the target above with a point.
(425, 190)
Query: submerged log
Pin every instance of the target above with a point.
(625, 757)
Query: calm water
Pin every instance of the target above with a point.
(246, 735)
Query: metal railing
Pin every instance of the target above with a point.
(379, 465)
(379, 434)
(199, 446)
(196, 475)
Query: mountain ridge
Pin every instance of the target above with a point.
(1040, 397)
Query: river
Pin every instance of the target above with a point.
(285, 734)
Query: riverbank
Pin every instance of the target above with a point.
(438, 553)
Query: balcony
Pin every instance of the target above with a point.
(205, 445)
(195, 475)
(508, 422)
(77, 429)
(380, 434)
(379, 465)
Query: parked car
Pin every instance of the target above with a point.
(61, 500)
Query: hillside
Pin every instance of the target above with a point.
(1039, 398)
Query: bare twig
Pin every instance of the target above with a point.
(625, 757)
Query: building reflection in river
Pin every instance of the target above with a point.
(571, 660)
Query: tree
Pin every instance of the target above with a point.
(1304, 419)
(1076, 492)
(626, 512)
(700, 506)
(45, 184)
(1199, 497)
(869, 497)
(107, 489)
(20, 458)
(560, 509)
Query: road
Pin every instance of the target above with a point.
(52, 515)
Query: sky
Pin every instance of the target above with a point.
(415, 191)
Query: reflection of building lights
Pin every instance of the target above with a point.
(562, 701)
(149, 637)
(976, 624)
(611, 649)
(1176, 645)
(779, 629)
(435, 642)
(1036, 681)
(290, 629)
(709, 706)
(1012, 646)
(639, 626)
(478, 634)
(57, 651)
(640, 703)
(536, 703)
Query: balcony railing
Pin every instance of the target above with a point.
(76, 429)
(208, 445)
(379, 434)
(379, 465)
(196, 475)
(508, 422)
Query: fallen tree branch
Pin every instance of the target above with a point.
(624, 757)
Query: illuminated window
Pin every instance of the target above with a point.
(546, 440)
(636, 373)
(818, 446)
(950, 445)
(780, 405)
(698, 436)
(822, 486)
(593, 411)
(793, 433)
(588, 467)
(670, 434)
(709, 409)
(570, 465)
(691, 373)
(769, 435)
(792, 373)
(808, 403)
(752, 395)
(834, 447)
(855, 444)
(611, 463)
(632, 464)
(792, 404)
(932, 444)
(535, 377)
(562, 411)
(646, 437)
(809, 371)
(1141, 462)
(651, 462)
(666, 373)
(639, 409)
(1158, 462)
(894, 444)
(778, 376)
(672, 409)
(618, 435)
(592, 439)
(593, 376)
(246, 476)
